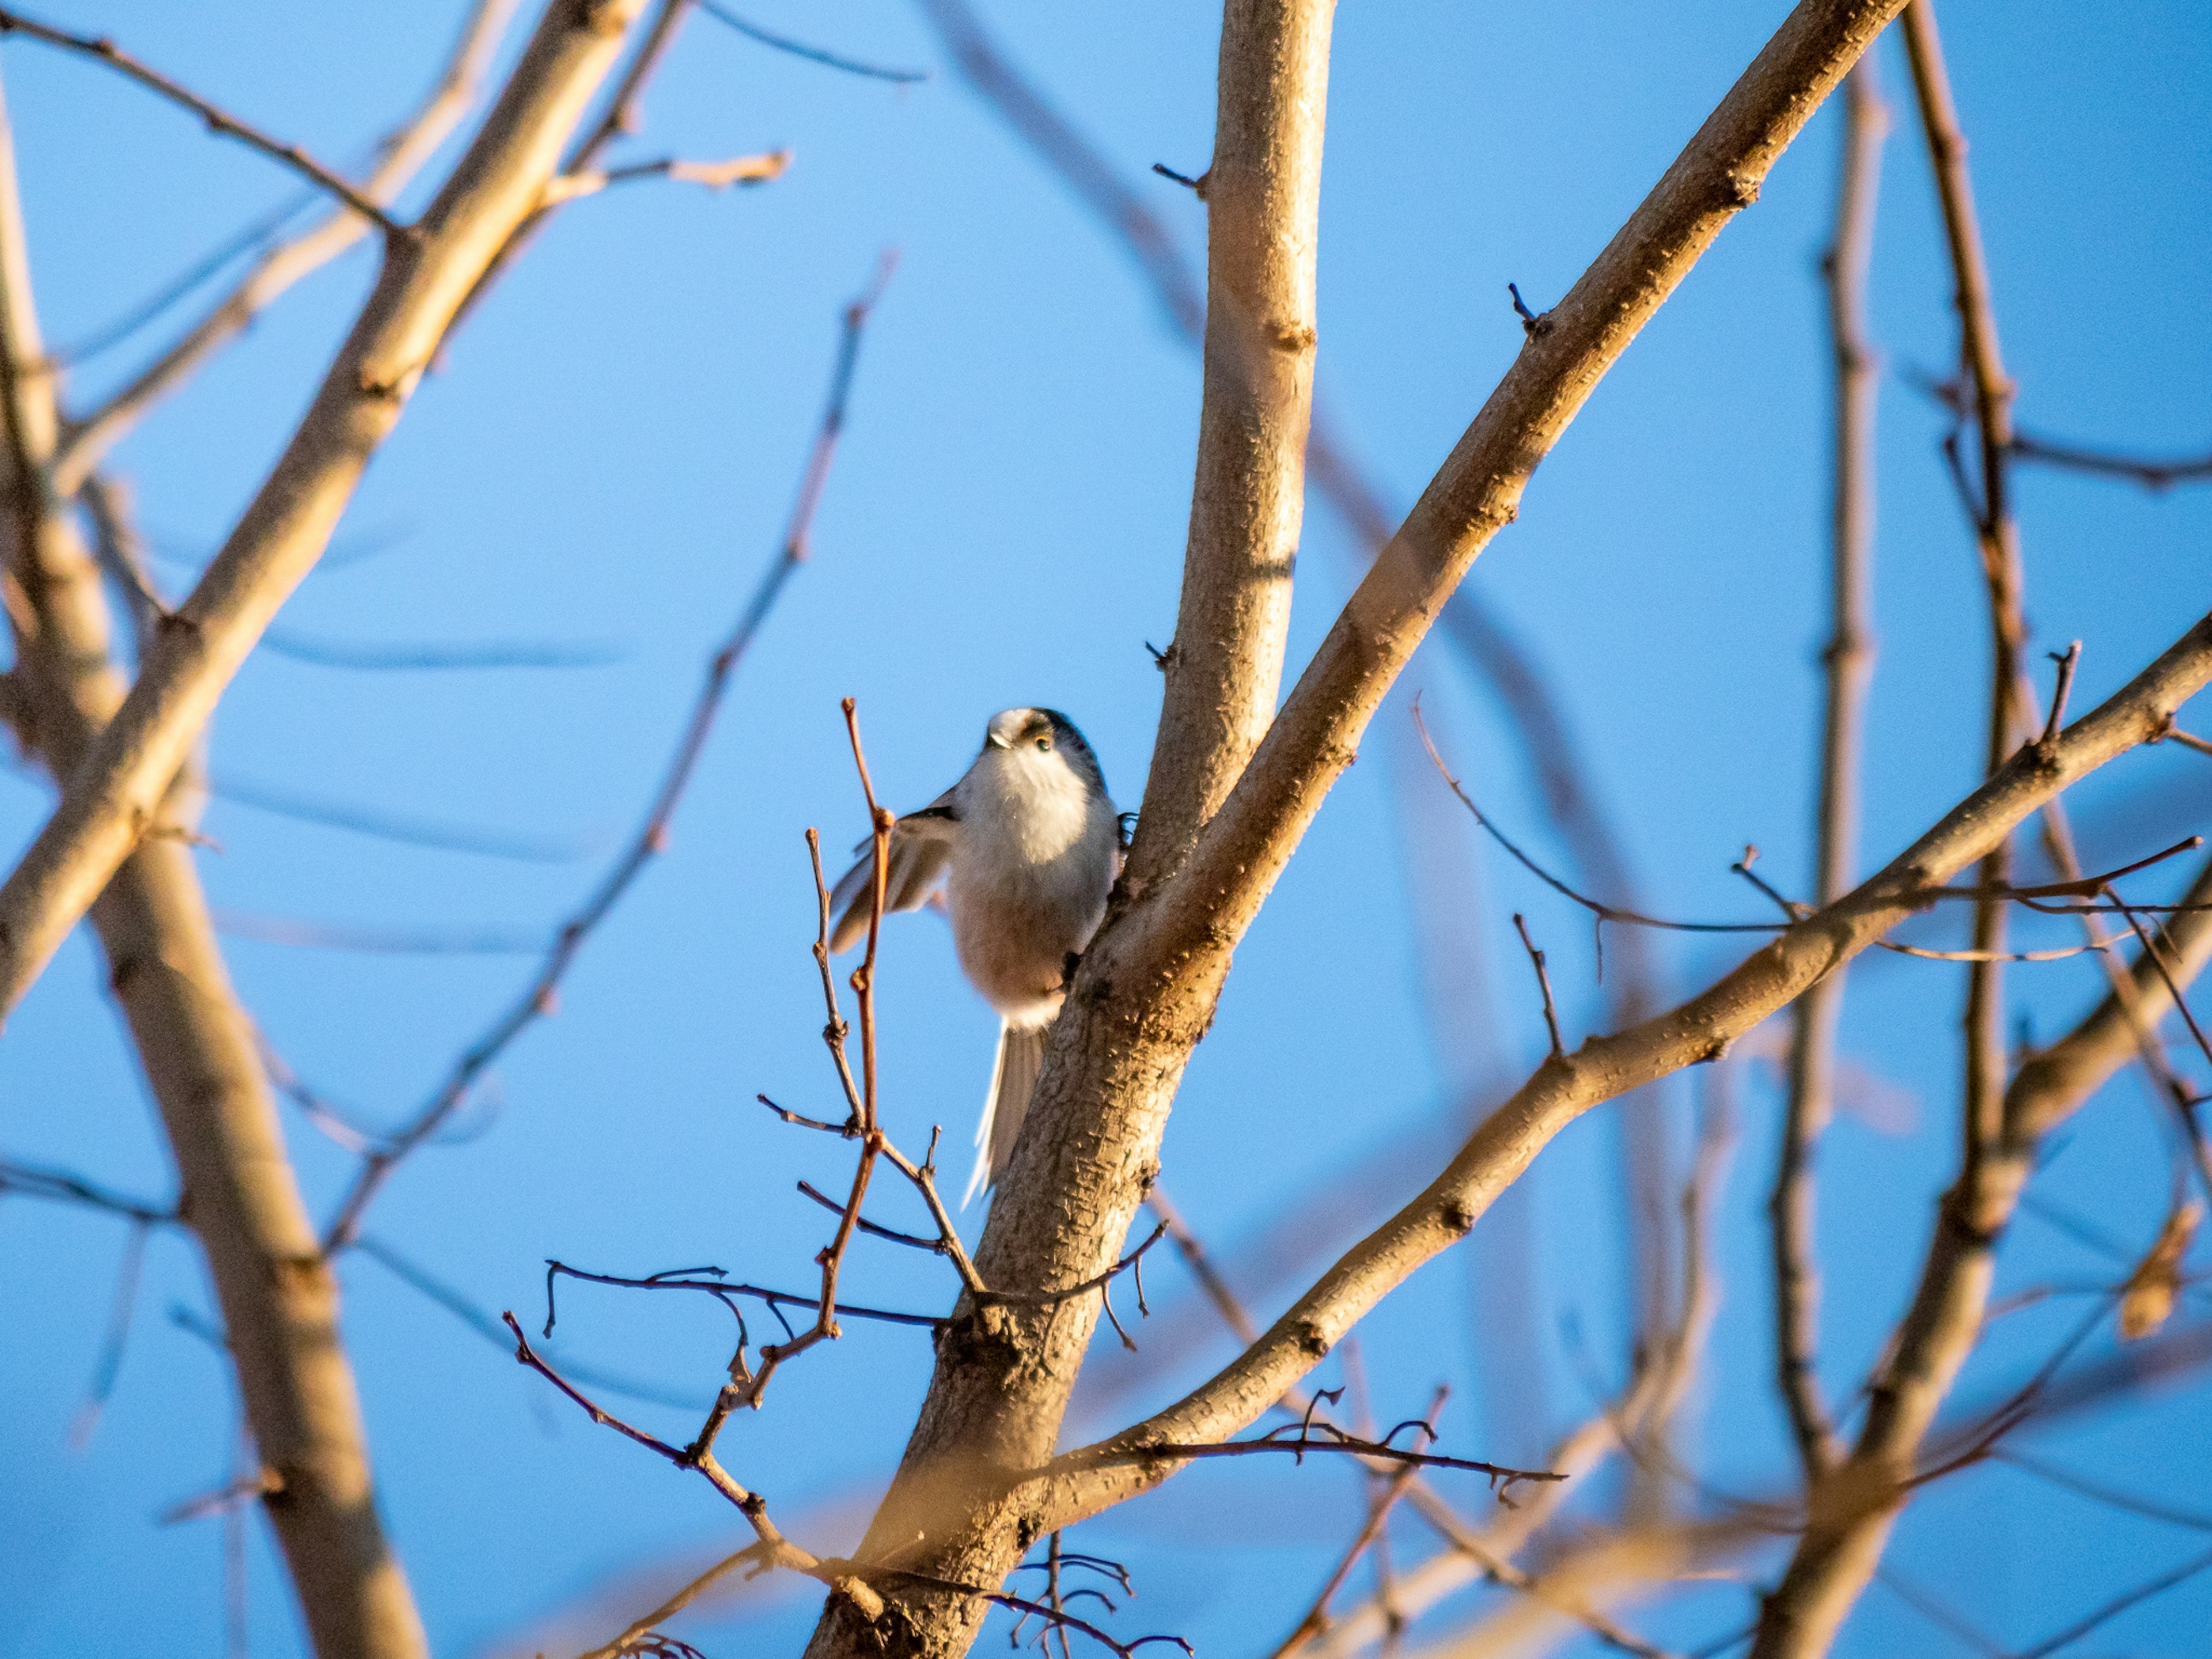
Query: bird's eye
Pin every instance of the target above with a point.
(1045, 743)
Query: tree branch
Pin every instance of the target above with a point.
(1849, 660)
(1084, 1481)
(113, 796)
(1841, 1547)
(218, 119)
(1263, 212)
(279, 1300)
(86, 443)
(1147, 985)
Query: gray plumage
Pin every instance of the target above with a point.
(1026, 849)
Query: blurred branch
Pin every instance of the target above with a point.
(196, 1045)
(1840, 1549)
(362, 820)
(729, 19)
(1849, 657)
(652, 838)
(619, 117)
(710, 175)
(2152, 475)
(219, 120)
(61, 1187)
(496, 654)
(113, 793)
(86, 441)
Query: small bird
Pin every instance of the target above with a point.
(1026, 847)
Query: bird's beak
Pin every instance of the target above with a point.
(993, 741)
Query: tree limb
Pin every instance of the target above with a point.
(85, 442)
(112, 797)
(1262, 193)
(1842, 1545)
(1146, 987)
(279, 1300)
(1083, 1482)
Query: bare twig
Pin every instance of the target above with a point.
(405, 152)
(2152, 475)
(729, 19)
(1543, 984)
(65, 1187)
(1849, 657)
(710, 175)
(652, 836)
(114, 794)
(220, 120)
(1316, 1620)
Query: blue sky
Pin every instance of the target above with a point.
(605, 461)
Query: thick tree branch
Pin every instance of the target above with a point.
(1497, 657)
(1850, 659)
(1262, 193)
(1147, 985)
(405, 152)
(112, 797)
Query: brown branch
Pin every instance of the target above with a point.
(1149, 982)
(405, 152)
(1263, 208)
(1849, 657)
(2152, 475)
(61, 1187)
(619, 117)
(1998, 540)
(1315, 1619)
(1497, 657)
(219, 120)
(1544, 985)
(652, 838)
(1083, 1481)
(1840, 1551)
(710, 175)
(279, 1301)
(114, 794)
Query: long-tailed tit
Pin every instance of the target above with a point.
(1025, 847)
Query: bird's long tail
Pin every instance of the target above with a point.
(1013, 1075)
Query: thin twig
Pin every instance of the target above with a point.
(1544, 984)
(729, 19)
(1849, 662)
(652, 838)
(105, 51)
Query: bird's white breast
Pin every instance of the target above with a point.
(1030, 876)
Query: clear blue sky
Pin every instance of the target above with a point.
(605, 461)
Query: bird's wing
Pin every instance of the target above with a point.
(921, 848)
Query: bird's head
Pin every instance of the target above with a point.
(1044, 739)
